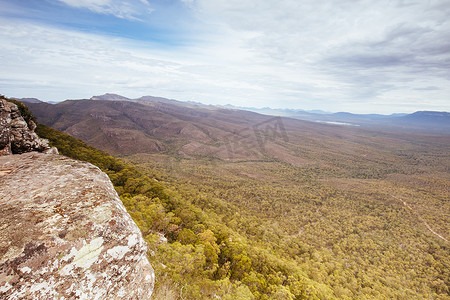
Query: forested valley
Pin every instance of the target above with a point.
(326, 213)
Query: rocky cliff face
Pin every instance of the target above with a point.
(64, 233)
(16, 135)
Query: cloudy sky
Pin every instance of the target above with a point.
(380, 56)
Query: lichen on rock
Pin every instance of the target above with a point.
(66, 234)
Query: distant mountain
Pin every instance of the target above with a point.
(29, 100)
(116, 97)
(423, 121)
(286, 112)
(434, 117)
(126, 127)
(154, 125)
(148, 99)
(33, 100)
(108, 96)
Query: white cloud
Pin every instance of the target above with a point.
(77, 63)
(122, 9)
(361, 56)
(348, 51)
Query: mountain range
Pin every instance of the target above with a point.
(431, 122)
(154, 125)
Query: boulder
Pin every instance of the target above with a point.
(16, 135)
(65, 234)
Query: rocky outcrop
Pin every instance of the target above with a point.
(5, 129)
(16, 135)
(65, 234)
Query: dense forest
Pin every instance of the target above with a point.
(195, 255)
(347, 227)
(363, 238)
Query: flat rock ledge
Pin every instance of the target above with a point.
(65, 234)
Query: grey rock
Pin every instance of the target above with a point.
(65, 234)
(5, 128)
(16, 136)
(52, 150)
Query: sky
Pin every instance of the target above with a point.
(384, 56)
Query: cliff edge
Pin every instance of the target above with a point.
(66, 234)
